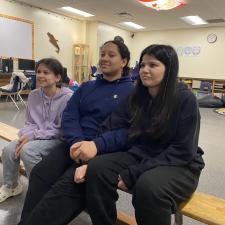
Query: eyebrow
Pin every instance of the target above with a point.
(110, 51)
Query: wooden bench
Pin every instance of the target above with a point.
(7, 132)
(201, 207)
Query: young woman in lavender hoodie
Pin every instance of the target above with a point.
(41, 133)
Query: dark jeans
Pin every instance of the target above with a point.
(156, 194)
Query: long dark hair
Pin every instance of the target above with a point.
(124, 52)
(150, 117)
(54, 65)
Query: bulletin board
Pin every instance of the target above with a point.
(16, 37)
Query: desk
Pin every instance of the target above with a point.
(5, 78)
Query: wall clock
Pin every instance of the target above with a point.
(212, 38)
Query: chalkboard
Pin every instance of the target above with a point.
(16, 37)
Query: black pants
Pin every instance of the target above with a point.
(155, 195)
(43, 176)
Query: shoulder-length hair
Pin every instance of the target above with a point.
(150, 117)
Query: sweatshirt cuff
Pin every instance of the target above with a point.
(100, 145)
(29, 135)
(75, 141)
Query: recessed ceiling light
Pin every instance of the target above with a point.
(77, 11)
(133, 25)
(194, 20)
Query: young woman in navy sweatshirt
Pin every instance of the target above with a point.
(85, 112)
(161, 162)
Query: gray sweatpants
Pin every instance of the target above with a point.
(31, 154)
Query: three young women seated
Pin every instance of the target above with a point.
(149, 146)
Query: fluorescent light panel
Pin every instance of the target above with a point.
(133, 25)
(194, 20)
(77, 11)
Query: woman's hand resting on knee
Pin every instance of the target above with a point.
(80, 173)
(20, 143)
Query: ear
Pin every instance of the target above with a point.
(124, 62)
(58, 77)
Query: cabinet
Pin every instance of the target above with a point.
(217, 85)
(81, 69)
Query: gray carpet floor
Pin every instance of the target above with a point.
(212, 179)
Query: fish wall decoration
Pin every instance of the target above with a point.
(53, 41)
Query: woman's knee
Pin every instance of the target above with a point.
(38, 170)
(100, 168)
(26, 152)
(96, 166)
(147, 192)
(42, 171)
(29, 158)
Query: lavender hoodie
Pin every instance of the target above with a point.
(43, 114)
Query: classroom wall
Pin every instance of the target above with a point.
(210, 63)
(67, 31)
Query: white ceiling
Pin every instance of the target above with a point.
(106, 11)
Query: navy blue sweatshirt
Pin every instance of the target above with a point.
(178, 149)
(90, 105)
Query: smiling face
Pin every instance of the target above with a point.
(110, 61)
(45, 77)
(151, 73)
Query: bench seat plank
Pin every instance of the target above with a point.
(204, 208)
(124, 219)
(7, 132)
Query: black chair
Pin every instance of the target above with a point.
(205, 87)
(14, 92)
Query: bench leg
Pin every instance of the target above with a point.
(178, 219)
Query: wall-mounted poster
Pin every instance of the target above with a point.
(196, 50)
(187, 50)
(193, 50)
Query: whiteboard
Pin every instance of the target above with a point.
(16, 37)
